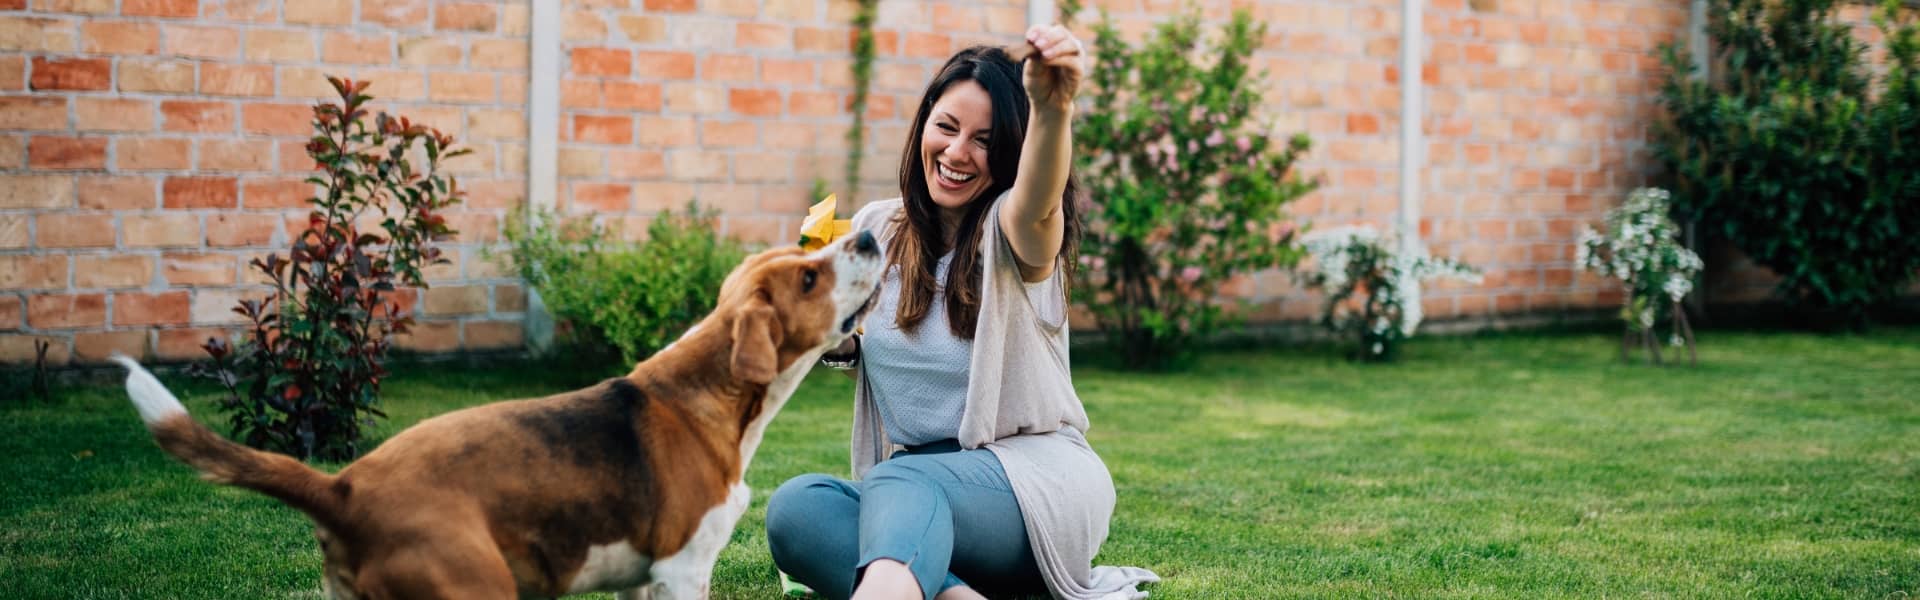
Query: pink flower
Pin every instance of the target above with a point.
(1190, 274)
(1243, 143)
(1215, 139)
(1193, 147)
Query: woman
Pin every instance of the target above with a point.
(963, 366)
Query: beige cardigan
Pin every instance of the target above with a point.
(1021, 406)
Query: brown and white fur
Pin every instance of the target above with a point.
(631, 485)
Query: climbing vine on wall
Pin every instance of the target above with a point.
(862, 82)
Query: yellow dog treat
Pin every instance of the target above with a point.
(820, 228)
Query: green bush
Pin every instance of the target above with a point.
(1792, 153)
(1186, 190)
(633, 297)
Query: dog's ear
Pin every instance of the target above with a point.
(756, 341)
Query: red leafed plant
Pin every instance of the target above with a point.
(305, 376)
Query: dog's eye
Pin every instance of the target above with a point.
(807, 279)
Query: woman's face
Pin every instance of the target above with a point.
(953, 145)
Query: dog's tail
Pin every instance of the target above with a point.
(225, 462)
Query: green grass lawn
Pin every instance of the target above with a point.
(1532, 466)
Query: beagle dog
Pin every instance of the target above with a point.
(631, 485)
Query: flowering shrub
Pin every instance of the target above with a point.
(1372, 288)
(1185, 189)
(306, 377)
(1642, 249)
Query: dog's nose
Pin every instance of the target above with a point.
(865, 244)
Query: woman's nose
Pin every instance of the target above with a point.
(954, 151)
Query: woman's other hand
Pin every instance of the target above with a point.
(1057, 62)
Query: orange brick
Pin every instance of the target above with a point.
(277, 119)
(71, 73)
(755, 102)
(689, 165)
(235, 230)
(110, 37)
(797, 72)
(726, 67)
(22, 349)
(98, 346)
(176, 9)
(455, 300)
(276, 46)
(13, 73)
(462, 87)
(236, 80)
(667, 64)
(66, 311)
(430, 336)
(429, 51)
(580, 93)
(496, 124)
(22, 112)
(636, 164)
(607, 197)
(509, 298)
(199, 192)
(197, 269)
(95, 7)
(12, 312)
(928, 45)
(493, 335)
(236, 155)
(142, 308)
(146, 154)
(205, 117)
(246, 11)
(397, 14)
(13, 231)
(762, 35)
(605, 62)
(108, 114)
(656, 131)
(159, 76)
(582, 26)
(202, 42)
(464, 16)
(670, 5)
(728, 134)
(26, 272)
(160, 230)
(112, 271)
(116, 193)
(579, 162)
(319, 12)
(187, 343)
(278, 193)
(75, 231)
(36, 191)
(696, 98)
(629, 95)
(814, 39)
(55, 152)
(644, 29)
(500, 54)
(350, 48)
(813, 104)
(602, 129)
(37, 35)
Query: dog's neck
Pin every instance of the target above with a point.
(741, 409)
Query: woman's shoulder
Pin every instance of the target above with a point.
(875, 213)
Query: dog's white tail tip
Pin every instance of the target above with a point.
(152, 399)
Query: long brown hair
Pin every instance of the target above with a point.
(917, 240)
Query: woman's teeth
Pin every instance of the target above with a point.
(953, 175)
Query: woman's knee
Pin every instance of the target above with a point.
(795, 508)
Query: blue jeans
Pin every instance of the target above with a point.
(823, 531)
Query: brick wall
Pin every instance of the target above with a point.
(149, 148)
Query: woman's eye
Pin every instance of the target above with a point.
(807, 280)
(981, 142)
(947, 128)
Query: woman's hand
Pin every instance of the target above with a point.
(1056, 65)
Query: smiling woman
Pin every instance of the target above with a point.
(962, 370)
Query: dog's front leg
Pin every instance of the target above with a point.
(644, 592)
